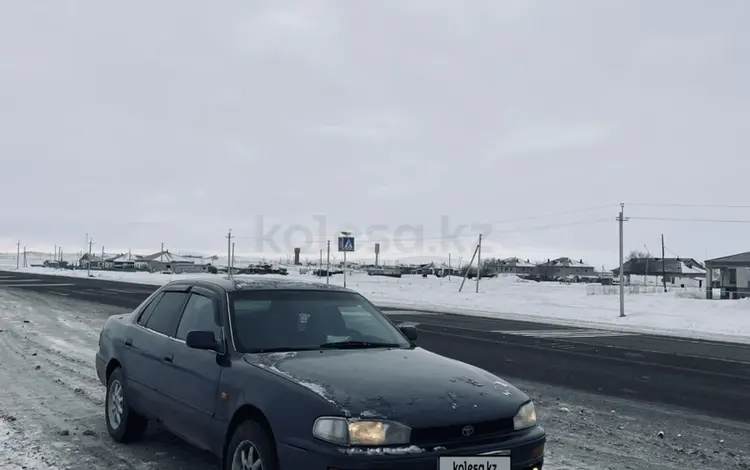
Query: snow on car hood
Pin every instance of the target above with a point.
(414, 386)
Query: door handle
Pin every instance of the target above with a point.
(169, 358)
(128, 342)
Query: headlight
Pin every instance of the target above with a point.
(344, 432)
(526, 417)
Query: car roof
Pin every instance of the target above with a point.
(256, 283)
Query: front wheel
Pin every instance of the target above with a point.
(251, 449)
(123, 423)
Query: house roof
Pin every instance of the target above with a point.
(127, 257)
(566, 262)
(740, 259)
(95, 258)
(657, 266)
(515, 261)
(167, 257)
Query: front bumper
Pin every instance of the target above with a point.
(526, 450)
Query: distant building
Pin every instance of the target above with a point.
(128, 262)
(733, 276)
(682, 272)
(164, 260)
(564, 267)
(513, 266)
(96, 261)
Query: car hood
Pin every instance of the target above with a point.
(414, 386)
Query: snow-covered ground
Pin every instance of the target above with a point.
(51, 409)
(678, 312)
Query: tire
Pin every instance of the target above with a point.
(250, 432)
(131, 425)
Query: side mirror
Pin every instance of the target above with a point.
(410, 331)
(201, 340)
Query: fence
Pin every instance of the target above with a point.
(634, 289)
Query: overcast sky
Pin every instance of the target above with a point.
(144, 122)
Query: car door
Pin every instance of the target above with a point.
(190, 380)
(142, 354)
(162, 325)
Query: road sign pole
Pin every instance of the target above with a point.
(344, 268)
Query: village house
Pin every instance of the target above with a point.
(96, 261)
(563, 268)
(733, 274)
(164, 260)
(514, 266)
(679, 272)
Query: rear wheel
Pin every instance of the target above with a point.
(251, 449)
(123, 423)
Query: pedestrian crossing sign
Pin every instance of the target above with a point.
(346, 243)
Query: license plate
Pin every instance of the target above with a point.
(488, 462)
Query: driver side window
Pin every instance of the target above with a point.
(199, 315)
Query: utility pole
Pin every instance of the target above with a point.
(91, 243)
(229, 254)
(56, 256)
(468, 268)
(479, 261)
(663, 268)
(621, 219)
(102, 256)
(18, 254)
(24, 257)
(449, 266)
(328, 262)
(233, 253)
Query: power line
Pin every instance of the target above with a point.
(322, 237)
(678, 219)
(715, 206)
(323, 240)
(556, 214)
(552, 226)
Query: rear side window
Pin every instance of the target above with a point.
(146, 312)
(200, 314)
(166, 315)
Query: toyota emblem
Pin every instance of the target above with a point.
(468, 430)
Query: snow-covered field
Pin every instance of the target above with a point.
(52, 418)
(677, 312)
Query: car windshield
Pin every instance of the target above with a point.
(294, 320)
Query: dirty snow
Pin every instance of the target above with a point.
(384, 450)
(52, 409)
(51, 402)
(680, 312)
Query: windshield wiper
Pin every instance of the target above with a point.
(281, 349)
(357, 345)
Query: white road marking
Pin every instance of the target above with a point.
(21, 280)
(37, 285)
(578, 333)
(121, 291)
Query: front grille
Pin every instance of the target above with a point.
(454, 434)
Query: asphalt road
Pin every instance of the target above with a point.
(711, 378)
